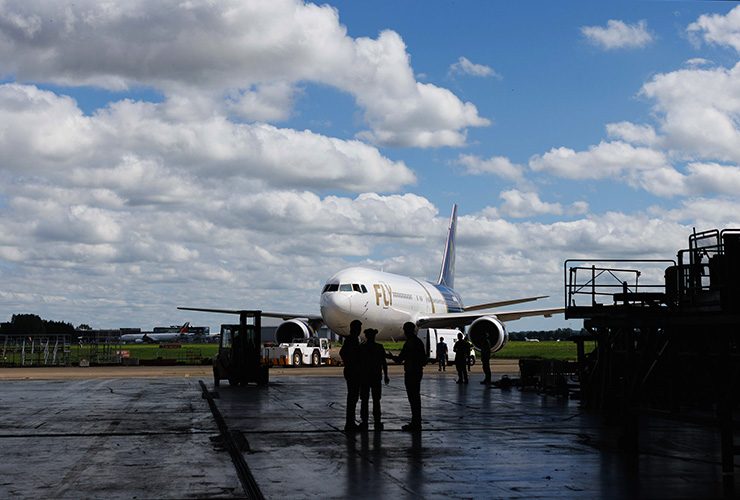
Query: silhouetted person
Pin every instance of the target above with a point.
(414, 358)
(470, 352)
(485, 359)
(462, 351)
(374, 369)
(350, 354)
(442, 354)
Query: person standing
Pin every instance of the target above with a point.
(442, 354)
(414, 358)
(485, 359)
(462, 351)
(350, 354)
(374, 369)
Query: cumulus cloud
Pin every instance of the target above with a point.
(699, 111)
(644, 135)
(718, 29)
(464, 66)
(497, 165)
(524, 204)
(247, 58)
(518, 204)
(699, 107)
(618, 35)
(700, 179)
(139, 143)
(606, 160)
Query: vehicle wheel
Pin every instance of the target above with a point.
(471, 360)
(315, 358)
(216, 377)
(297, 358)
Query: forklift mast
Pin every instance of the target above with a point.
(239, 358)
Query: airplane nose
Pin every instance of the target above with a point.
(336, 309)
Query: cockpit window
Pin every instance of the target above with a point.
(345, 287)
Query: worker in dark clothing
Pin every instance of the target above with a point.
(462, 351)
(414, 358)
(374, 369)
(485, 359)
(350, 354)
(442, 354)
(470, 352)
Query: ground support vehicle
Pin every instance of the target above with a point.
(239, 358)
(307, 351)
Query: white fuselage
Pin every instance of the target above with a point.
(383, 301)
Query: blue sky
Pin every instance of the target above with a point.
(236, 154)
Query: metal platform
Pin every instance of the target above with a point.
(158, 439)
(667, 337)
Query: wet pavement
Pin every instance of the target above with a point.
(156, 438)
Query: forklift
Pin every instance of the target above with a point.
(239, 358)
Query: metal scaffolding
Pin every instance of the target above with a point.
(24, 350)
(667, 337)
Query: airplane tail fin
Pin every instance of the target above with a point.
(184, 328)
(447, 273)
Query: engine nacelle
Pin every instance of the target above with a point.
(293, 329)
(491, 327)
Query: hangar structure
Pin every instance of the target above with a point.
(667, 337)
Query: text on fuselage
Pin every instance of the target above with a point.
(383, 292)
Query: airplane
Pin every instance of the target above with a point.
(385, 301)
(140, 338)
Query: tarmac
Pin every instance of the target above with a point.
(122, 435)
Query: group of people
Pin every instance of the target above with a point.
(462, 350)
(365, 368)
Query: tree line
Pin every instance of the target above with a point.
(33, 326)
(543, 335)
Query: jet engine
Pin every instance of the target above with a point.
(293, 329)
(491, 327)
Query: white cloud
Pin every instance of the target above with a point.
(497, 165)
(464, 66)
(711, 178)
(523, 204)
(701, 179)
(606, 160)
(519, 204)
(697, 61)
(44, 131)
(718, 29)
(245, 58)
(618, 35)
(702, 213)
(635, 134)
(699, 111)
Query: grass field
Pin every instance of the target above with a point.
(542, 350)
(513, 350)
(145, 351)
(203, 353)
(527, 350)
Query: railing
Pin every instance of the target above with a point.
(24, 350)
(590, 283)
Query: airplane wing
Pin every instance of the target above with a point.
(491, 305)
(284, 316)
(454, 320)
